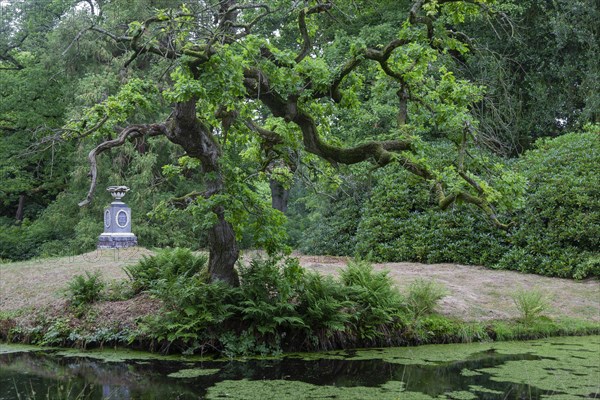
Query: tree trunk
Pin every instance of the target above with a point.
(197, 140)
(279, 195)
(20, 208)
(223, 252)
(222, 245)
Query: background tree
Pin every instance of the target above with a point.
(539, 65)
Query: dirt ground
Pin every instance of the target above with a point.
(474, 293)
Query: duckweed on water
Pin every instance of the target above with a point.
(193, 372)
(8, 348)
(557, 368)
(569, 367)
(122, 355)
(284, 389)
(468, 372)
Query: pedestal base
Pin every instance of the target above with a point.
(116, 240)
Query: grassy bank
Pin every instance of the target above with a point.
(167, 305)
(72, 331)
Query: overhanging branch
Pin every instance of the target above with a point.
(131, 132)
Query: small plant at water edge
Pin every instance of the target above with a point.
(422, 297)
(376, 303)
(530, 304)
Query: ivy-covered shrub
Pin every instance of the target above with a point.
(559, 225)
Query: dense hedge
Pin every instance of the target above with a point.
(559, 225)
(332, 230)
(400, 222)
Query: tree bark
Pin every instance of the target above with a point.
(223, 251)
(20, 208)
(279, 195)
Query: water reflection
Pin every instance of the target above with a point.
(47, 375)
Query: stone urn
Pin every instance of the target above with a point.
(117, 222)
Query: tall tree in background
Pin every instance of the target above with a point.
(540, 63)
(32, 89)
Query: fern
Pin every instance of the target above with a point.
(167, 265)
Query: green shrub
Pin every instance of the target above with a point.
(86, 289)
(167, 265)
(269, 292)
(324, 305)
(14, 243)
(401, 221)
(559, 225)
(530, 303)
(278, 305)
(195, 312)
(118, 290)
(422, 297)
(376, 307)
(332, 228)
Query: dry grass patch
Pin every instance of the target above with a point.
(42, 282)
(474, 293)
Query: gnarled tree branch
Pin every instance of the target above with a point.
(131, 132)
(306, 42)
(377, 151)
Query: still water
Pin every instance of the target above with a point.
(556, 368)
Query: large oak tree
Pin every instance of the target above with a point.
(286, 76)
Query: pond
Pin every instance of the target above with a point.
(555, 368)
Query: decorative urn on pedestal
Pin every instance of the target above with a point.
(117, 222)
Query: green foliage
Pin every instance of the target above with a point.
(278, 305)
(269, 293)
(118, 290)
(422, 297)
(376, 302)
(325, 308)
(559, 230)
(533, 68)
(194, 312)
(165, 267)
(401, 222)
(332, 227)
(558, 217)
(56, 332)
(530, 303)
(85, 289)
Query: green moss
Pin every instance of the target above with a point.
(193, 372)
(7, 348)
(121, 355)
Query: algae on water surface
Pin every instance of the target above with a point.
(556, 368)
